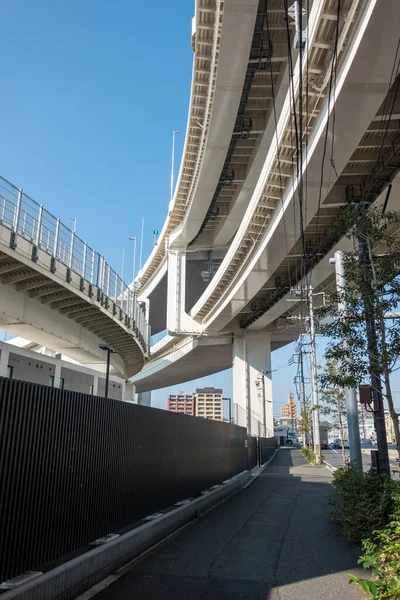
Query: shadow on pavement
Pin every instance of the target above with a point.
(271, 541)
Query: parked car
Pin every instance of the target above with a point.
(331, 445)
(346, 444)
(324, 446)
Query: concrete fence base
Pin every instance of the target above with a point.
(73, 577)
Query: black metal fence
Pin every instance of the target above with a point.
(75, 467)
(252, 451)
(267, 447)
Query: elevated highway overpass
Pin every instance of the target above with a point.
(277, 144)
(56, 291)
(345, 94)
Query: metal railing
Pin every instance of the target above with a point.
(22, 215)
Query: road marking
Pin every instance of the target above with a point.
(333, 449)
(330, 467)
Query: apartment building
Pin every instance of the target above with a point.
(208, 402)
(289, 410)
(181, 403)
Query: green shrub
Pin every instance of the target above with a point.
(362, 503)
(382, 555)
(309, 454)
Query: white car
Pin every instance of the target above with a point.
(346, 444)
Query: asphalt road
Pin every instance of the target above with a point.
(334, 457)
(271, 541)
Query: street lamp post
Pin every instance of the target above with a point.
(141, 241)
(133, 239)
(109, 351)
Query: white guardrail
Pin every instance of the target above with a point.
(27, 218)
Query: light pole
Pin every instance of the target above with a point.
(74, 220)
(109, 351)
(141, 242)
(123, 263)
(133, 239)
(173, 161)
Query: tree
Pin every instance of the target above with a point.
(305, 423)
(372, 290)
(333, 402)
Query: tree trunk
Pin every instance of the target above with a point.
(341, 435)
(386, 372)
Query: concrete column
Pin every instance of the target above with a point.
(4, 357)
(128, 392)
(95, 385)
(144, 398)
(178, 321)
(251, 356)
(239, 374)
(57, 374)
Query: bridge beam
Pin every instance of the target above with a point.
(252, 366)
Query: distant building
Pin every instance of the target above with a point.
(26, 361)
(389, 427)
(367, 425)
(289, 410)
(181, 403)
(208, 403)
(292, 422)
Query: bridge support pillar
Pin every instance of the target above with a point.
(144, 398)
(4, 357)
(128, 392)
(252, 383)
(57, 374)
(178, 321)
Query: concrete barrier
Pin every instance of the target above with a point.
(68, 580)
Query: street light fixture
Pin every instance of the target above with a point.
(133, 239)
(141, 241)
(109, 351)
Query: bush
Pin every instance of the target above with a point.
(310, 455)
(363, 502)
(382, 555)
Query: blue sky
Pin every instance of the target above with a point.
(91, 91)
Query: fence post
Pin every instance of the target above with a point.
(71, 250)
(17, 211)
(92, 267)
(84, 260)
(39, 226)
(56, 238)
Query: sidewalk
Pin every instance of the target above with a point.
(271, 541)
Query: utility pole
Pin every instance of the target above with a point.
(372, 344)
(261, 383)
(302, 387)
(314, 379)
(353, 425)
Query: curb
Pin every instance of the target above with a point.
(329, 466)
(75, 576)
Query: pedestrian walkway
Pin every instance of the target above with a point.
(271, 541)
